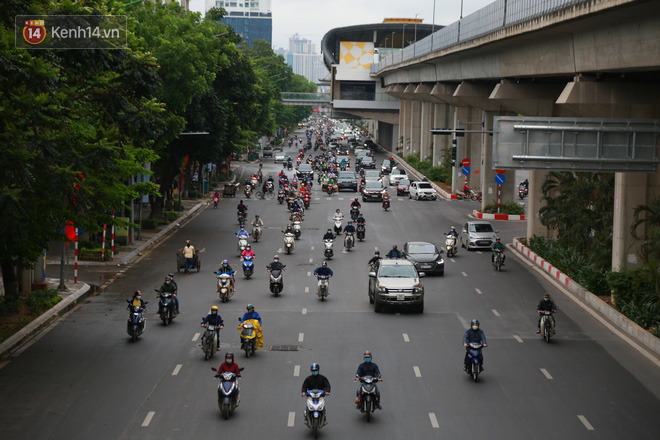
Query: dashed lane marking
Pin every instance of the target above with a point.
(406, 338)
(311, 260)
(301, 337)
(292, 418)
(147, 420)
(340, 198)
(309, 274)
(546, 374)
(280, 250)
(479, 252)
(417, 372)
(586, 423)
(177, 369)
(307, 289)
(464, 274)
(375, 248)
(317, 198)
(434, 420)
(478, 291)
(312, 248)
(495, 312)
(400, 200)
(518, 338)
(304, 311)
(196, 337)
(452, 260)
(202, 250)
(296, 371)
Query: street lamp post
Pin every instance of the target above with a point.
(386, 38)
(393, 39)
(433, 26)
(416, 27)
(403, 34)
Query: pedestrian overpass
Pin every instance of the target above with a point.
(308, 99)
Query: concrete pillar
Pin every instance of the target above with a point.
(630, 190)
(425, 130)
(442, 117)
(534, 226)
(488, 185)
(415, 110)
(404, 127)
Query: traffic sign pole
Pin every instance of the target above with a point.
(499, 188)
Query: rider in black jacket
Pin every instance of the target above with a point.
(546, 304)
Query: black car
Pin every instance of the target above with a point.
(305, 171)
(425, 256)
(347, 180)
(368, 162)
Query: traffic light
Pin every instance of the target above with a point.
(453, 153)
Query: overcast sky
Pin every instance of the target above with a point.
(311, 19)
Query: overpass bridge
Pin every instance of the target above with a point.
(307, 99)
(594, 59)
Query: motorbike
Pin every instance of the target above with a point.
(547, 325)
(328, 251)
(522, 191)
(254, 182)
(242, 217)
(297, 228)
(247, 190)
(209, 341)
(330, 189)
(361, 229)
(450, 245)
(289, 242)
(215, 202)
(315, 412)
(249, 331)
(498, 260)
(323, 288)
(355, 212)
(475, 359)
(386, 203)
(337, 226)
(368, 395)
(166, 306)
(280, 196)
(256, 233)
(276, 282)
(242, 244)
(225, 290)
(248, 266)
(289, 165)
(306, 200)
(228, 398)
(349, 241)
(136, 322)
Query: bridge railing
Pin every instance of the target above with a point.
(312, 97)
(494, 17)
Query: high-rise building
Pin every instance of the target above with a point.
(304, 60)
(251, 19)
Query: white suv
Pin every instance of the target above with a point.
(422, 191)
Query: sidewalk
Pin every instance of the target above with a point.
(95, 276)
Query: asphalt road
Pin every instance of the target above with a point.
(84, 378)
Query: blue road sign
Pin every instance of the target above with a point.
(499, 179)
(465, 170)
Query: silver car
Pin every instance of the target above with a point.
(395, 284)
(478, 234)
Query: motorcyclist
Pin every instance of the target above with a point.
(247, 252)
(275, 265)
(375, 258)
(329, 235)
(545, 305)
(216, 194)
(323, 270)
(498, 246)
(229, 366)
(171, 275)
(385, 194)
(356, 204)
(242, 233)
(257, 222)
(452, 232)
(226, 268)
(215, 319)
(316, 381)
(338, 216)
(289, 229)
(367, 368)
(137, 301)
(394, 253)
(251, 314)
(242, 208)
(167, 286)
(360, 220)
(476, 335)
(349, 228)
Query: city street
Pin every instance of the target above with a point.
(84, 379)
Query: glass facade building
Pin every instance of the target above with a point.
(252, 20)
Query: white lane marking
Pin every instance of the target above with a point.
(301, 337)
(417, 372)
(312, 248)
(376, 248)
(495, 312)
(177, 369)
(311, 260)
(280, 250)
(196, 337)
(546, 374)
(292, 418)
(479, 252)
(518, 338)
(344, 251)
(434, 420)
(406, 338)
(478, 291)
(202, 250)
(304, 311)
(147, 420)
(296, 371)
(317, 198)
(327, 198)
(585, 422)
(307, 289)
(400, 200)
(464, 274)
(340, 198)
(452, 260)
(309, 274)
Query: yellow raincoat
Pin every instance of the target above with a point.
(257, 329)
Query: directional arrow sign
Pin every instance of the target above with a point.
(465, 162)
(499, 179)
(465, 170)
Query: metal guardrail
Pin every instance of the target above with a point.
(494, 17)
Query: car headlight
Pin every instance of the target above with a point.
(382, 289)
(473, 237)
(418, 288)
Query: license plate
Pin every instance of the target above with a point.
(400, 297)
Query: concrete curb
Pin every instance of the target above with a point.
(134, 253)
(604, 310)
(60, 308)
(483, 216)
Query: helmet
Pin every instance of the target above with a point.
(229, 356)
(497, 239)
(350, 223)
(453, 228)
(225, 262)
(360, 216)
(546, 296)
(367, 355)
(394, 247)
(167, 278)
(276, 257)
(337, 210)
(475, 322)
(315, 368)
(356, 199)
(256, 216)
(187, 241)
(250, 306)
(329, 231)
(137, 293)
(324, 264)
(214, 308)
(171, 275)
(240, 202)
(248, 246)
(377, 253)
